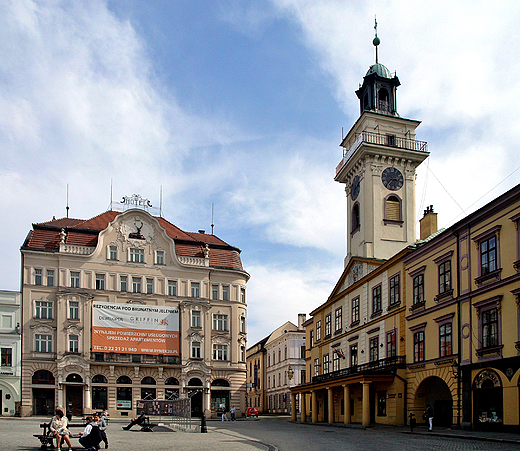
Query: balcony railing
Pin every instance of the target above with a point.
(379, 139)
(379, 366)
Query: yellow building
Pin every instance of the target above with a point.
(127, 306)
(463, 321)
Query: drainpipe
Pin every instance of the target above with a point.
(459, 337)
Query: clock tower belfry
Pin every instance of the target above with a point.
(380, 155)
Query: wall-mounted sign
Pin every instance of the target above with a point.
(135, 329)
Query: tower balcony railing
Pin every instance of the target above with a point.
(386, 140)
(379, 366)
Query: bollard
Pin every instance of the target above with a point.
(203, 427)
(413, 421)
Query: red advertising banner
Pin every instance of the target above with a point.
(135, 329)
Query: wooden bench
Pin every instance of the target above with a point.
(47, 437)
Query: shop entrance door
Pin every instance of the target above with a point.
(74, 400)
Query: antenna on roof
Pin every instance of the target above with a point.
(212, 225)
(160, 204)
(67, 208)
(110, 207)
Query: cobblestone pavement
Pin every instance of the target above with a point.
(270, 434)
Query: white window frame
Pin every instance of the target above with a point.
(137, 282)
(195, 350)
(41, 306)
(123, 279)
(43, 343)
(172, 287)
(112, 252)
(73, 343)
(220, 352)
(195, 289)
(100, 281)
(149, 285)
(38, 276)
(49, 276)
(226, 292)
(159, 257)
(75, 279)
(220, 322)
(73, 309)
(196, 318)
(136, 255)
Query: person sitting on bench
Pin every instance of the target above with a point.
(58, 428)
(91, 436)
(139, 420)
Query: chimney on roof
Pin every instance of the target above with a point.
(202, 231)
(428, 223)
(301, 319)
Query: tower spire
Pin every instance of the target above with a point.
(376, 41)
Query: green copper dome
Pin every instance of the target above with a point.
(379, 69)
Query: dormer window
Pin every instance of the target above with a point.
(112, 252)
(159, 257)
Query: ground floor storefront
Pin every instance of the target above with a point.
(85, 389)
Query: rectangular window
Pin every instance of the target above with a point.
(373, 346)
(353, 355)
(316, 367)
(328, 325)
(326, 364)
(395, 292)
(214, 292)
(381, 404)
(445, 339)
(335, 361)
(159, 258)
(7, 357)
(7, 322)
(243, 325)
(355, 310)
(445, 276)
(338, 319)
(490, 328)
(74, 279)
(43, 309)
(149, 286)
(196, 319)
(136, 284)
(418, 289)
(137, 255)
(100, 281)
(38, 277)
(73, 309)
(195, 289)
(220, 322)
(73, 343)
(195, 350)
(318, 330)
(112, 252)
(418, 346)
(391, 347)
(225, 293)
(311, 338)
(243, 295)
(43, 343)
(172, 288)
(376, 299)
(488, 255)
(219, 352)
(123, 280)
(50, 277)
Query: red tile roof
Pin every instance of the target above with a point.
(45, 236)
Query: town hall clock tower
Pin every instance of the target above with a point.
(378, 169)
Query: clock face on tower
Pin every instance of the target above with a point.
(392, 178)
(356, 185)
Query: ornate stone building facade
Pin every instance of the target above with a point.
(136, 267)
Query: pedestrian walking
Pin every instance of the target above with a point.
(428, 416)
(232, 413)
(224, 417)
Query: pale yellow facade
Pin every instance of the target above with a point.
(60, 286)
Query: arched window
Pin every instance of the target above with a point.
(43, 377)
(74, 378)
(383, 100)
(99, 379)
(220, 383)
(393, 211)
(148, 381)
(356, 224)
(195, 382)
(123, 380)
(171, 381)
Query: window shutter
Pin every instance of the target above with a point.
(393, 212)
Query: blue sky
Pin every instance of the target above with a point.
(241, 105)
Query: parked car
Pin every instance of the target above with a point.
(251, 412)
